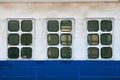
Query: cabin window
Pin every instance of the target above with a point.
(59, 38)
(20, 38)
(99, 38)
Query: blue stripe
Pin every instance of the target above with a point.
(60, 70)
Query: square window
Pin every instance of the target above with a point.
(106, 39)
(13, 52)
(106, 25)
(66, 52)
(26, 52)
(106, 52)
(26, 39)
(26, 25)
(93, 25)
(13, 39)
(93, 39)
(53, 39)
(53, 52)
(66, 39)
(93, 53)
(66, 25)
(13, 25)
(53, 25)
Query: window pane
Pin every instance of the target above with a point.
(66, 25)
(53, 52)
(66, 39)
(106, 52)
(26, 25)
(13, 25)
(106, 39)
(26, 39)
(66, 52)
(13, 39)
(53, 39)
(93, 39)
(106, 25)
(53, 25)
(93, 25)
(26, 52)
(93, 53)
(13, 52)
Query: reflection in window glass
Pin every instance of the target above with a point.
(106, 39)
(26, 25)
(13, 39)
(106, 25)
(66, 52)
(26, 52)
(66, 39)
(13, 25)
(53, 39)
(26, 39)
(53, 25)
(93, 53)
(93, 25)
(53, 52)
(13, 52)
(93, 39)
(66, 25)
(106, 52)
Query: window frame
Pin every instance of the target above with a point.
(59, 32)
(20, 33)
(100, 32)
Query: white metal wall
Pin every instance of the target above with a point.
(78, 11)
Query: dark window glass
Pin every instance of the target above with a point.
(53, 25)
(26, 52)
(106, 39)
(93, 25)
(106, 25)
(66, 25)
(53, 39)
(66, 39)
(13, 39)
(13, 52)
(26, 25)
(93, 53)
(53, 52)
(26, 39)
(13, 25)
(93, 39)
(66, 52)
(106, 52)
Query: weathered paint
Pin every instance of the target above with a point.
(78, 11)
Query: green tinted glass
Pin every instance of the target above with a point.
(13, 39)
(26, 52)
(53, 52)
(66, 52)
(13, 25)
(13, 52)
(93, 25)
(26, 39)
(26, 25)
(53, 25)
(53, 39)
(106, 52)
(93, 53)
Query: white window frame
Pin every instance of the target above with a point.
(99, 32)
(59, 32)
(20, 32)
